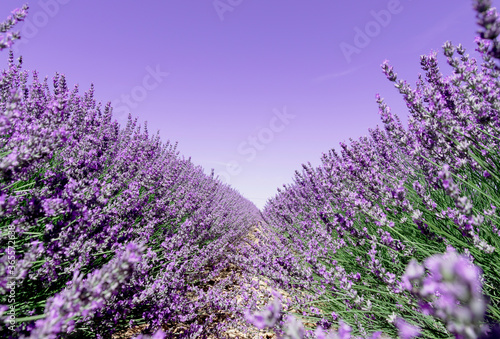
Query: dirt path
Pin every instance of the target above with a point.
(263, 290)
(179, 328)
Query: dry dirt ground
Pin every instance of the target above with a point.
(179, 328)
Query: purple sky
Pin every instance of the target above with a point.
(252, 89)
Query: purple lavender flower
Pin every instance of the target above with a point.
(293, 329)
(406, 330)
(8, 39)
(454, 287)
(86, 296)
(414, 272)
(268, 316)
(157, 335)
(344, 330)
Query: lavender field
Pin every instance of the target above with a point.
(106, 229)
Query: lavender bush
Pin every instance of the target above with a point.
(451, 292)
(102, 228)
(348, 234)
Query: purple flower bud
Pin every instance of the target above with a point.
(414, 271)
(267, 317)
(407, 331)
(294, 329)
(344, 330)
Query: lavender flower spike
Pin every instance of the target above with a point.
(85, 296)
(267, 317)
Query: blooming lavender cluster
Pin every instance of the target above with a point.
(340, 237)
(454, 287)
(103, 228)
(294, 328)
(7, 39)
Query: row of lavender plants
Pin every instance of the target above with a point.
(400, 233)
(102, 228)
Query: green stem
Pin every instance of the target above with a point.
(462, 180)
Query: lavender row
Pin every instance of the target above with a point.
(347, 231)
(102, 228)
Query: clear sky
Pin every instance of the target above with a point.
(252, 89)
